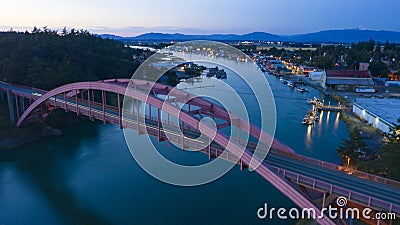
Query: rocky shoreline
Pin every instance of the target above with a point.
(17, 141)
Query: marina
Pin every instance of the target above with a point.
(311, 117)
(320, 105)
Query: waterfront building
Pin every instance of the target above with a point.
(316, 76)
(392, 83)
(346, 80)
(364, 67)
(277, 64)
(305, 70)
(246, 47)
(382, 114)
(394, 76)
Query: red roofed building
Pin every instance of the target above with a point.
(346, 80)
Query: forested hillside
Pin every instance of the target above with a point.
(46, 59)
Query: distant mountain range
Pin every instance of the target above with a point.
(329, 36)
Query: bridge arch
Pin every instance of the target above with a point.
(245, 156)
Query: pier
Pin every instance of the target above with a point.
(337, 108)
(319, 105)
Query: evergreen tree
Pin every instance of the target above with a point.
(387, 46)
(378, 47)
(46, 59)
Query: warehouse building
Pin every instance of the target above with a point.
(382, 114)
(346, 80)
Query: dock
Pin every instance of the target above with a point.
(337, 108)
(319, 105)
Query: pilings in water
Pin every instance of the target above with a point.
(11, 107)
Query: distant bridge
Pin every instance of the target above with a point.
(290, 173)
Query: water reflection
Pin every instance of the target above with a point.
(321, 116)
(327, 117)
(337, 121)
(308, 136)
(324, 126)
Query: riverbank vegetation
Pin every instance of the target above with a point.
(385, 164)
(388, 161)
(351, 149)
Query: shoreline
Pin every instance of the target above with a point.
(12, 137)
(28, 136)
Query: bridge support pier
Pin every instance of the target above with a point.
(242, 165)
(159, 125)
(17, 105)
(22, 104)
(2, 96)
(119, 111)
(11, 108)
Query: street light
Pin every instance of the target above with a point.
(348, 161)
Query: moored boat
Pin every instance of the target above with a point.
(221, 74)
(307, 121)
(301, 89)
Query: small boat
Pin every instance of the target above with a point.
(290, 84)
(212, 72)
(221, 74)
(307, 121)
(301, 89)
(314, 101)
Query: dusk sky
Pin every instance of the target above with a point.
(132, 17)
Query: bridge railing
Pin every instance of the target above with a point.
(25, 87)
(331, 166)
(350, 195)
(343, 169)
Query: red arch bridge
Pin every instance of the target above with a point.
(292, 174)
